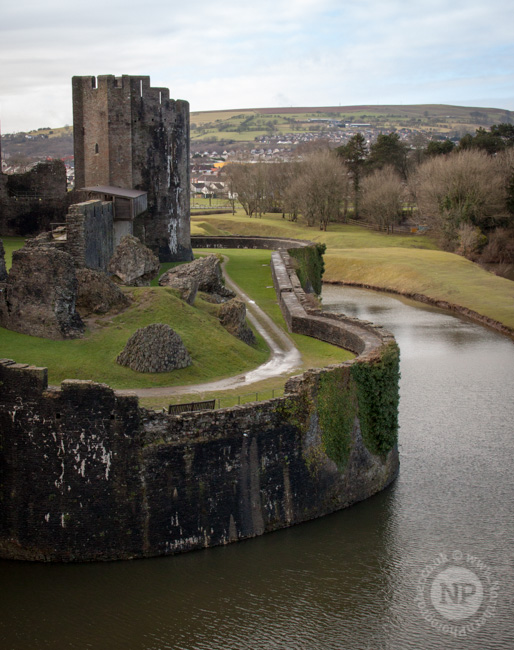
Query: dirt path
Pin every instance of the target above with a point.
(284, 356)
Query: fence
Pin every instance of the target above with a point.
(410, 230)
(226, 401)
(207, 405)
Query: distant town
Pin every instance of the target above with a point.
(269, 135)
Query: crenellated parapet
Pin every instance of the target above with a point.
(130, 135)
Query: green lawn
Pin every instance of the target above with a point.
(404, 263)
(214, 351)
(272, 225)
(251, 271)
(10, 245)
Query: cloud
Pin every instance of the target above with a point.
(235, 55)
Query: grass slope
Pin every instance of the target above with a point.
(247, 124)
(404, 263)
(251, 271)
(215, 352)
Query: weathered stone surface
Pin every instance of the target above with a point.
(97, 293)
(150, 134)
(188, 288)
(232, 316)
(40, 294)
(3, 270)
(206, 271)
(90, 234)
(29, 202)
(156, 348)
(133, 264)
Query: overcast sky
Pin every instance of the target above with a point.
(270, 53)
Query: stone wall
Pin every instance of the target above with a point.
(131, 135)
(89, 475)
(90, 234)
(39, 295)
(30, 202)
(243, 241)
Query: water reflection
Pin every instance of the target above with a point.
(346, 581)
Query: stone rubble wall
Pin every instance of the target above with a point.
(39, 295)
(89, 475)
(31, 201)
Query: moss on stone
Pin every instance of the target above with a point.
(336, 410)
(378, 397)
(310, 266)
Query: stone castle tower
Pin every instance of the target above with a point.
(132, 136)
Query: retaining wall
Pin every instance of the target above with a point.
(87, 474)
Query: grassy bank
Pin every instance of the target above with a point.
(215, 352)
(401, 263)
(250, 269)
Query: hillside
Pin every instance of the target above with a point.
(246, 125)
(238, 128)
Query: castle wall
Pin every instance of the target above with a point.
(88, 475)
(30, 202)
(40, 292)
(131, 135)
(90, 234)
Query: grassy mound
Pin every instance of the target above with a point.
(214, 351)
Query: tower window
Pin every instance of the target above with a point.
(96, 148)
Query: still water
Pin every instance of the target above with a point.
(347, 581)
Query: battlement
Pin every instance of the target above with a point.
(22, 378)
(130, 135)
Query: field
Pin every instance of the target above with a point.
(401, 263)
(244, 125)
(247, 124)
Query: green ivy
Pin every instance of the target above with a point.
(336, 410)
(297, 411)
(310, 266)
(378, 398)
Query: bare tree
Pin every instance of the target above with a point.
(247, 181)
(459, 189)
(319, 188)
(279, 177)
(382, 196)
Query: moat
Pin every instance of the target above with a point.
(344, 581)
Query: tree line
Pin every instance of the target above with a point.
(463, 192)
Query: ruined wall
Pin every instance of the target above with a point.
(40, 293)
(69, 469)
(29, 202)
(88, 475)
(131, 135)
(90, 234)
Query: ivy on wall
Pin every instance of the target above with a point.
(310, 266)
(378, 397)
(336, 411)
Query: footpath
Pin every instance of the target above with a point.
(284, 356)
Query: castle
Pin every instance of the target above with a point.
(88, 474)
(131, 136)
